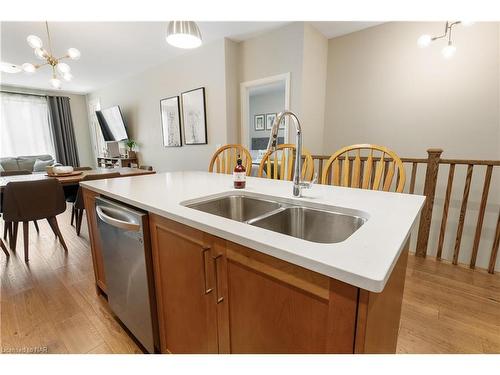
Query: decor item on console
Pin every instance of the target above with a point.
(171, 121)
(194, 117)
(131, 144)
(449, 50)
(59, 69)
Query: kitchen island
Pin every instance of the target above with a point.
(233, 286)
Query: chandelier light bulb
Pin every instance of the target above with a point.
(467, 23)
(449, 51)
(63, 68)
(29, 68)
(6, 67)
(34, 41)
(183, 34)
(424, 41)
(74, 54)
(67, 76)
(55, 83)
(40, 53)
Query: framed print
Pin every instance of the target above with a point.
(259, 123)
(194, 117)
(270, 118)
(282, 124)
(171, 121)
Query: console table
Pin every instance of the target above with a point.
(106, 162)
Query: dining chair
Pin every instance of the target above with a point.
(279, 164)
(225, 158)
(33, 200)
(365, 166)
(4, 248)
(15, 173)
(78, 205)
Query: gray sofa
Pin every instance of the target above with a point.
(23, 162)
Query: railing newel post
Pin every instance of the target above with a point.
(431, 174)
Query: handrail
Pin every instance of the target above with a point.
(432, 164)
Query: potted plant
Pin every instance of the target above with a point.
(131, 144)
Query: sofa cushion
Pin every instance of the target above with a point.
(9, 164)
(26, 163)
(41, 164)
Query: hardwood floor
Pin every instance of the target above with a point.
(50, 304)
(449, 309)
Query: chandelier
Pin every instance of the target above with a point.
(449, 50)
(59, 69)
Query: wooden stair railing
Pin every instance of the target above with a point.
(432, 163)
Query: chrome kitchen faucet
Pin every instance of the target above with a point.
(273, 143)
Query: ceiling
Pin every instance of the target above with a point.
(114, 50)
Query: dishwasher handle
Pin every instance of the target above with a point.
(122, 224)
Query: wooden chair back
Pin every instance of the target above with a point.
(279, 164)
(349, 167)
(224, 159)
(33, 200)
(91, 177)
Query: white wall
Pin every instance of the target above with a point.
(314, 77)
(80, 120)
(301, 50)
(383, 89)
(139, 98)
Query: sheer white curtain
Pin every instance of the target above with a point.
(24, 126)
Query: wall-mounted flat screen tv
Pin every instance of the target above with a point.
(112, 124)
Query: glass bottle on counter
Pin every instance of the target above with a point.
(239, 175)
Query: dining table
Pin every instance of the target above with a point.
(73, 179)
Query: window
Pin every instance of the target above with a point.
(25, 127)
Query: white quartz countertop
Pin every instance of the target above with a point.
(365, 259)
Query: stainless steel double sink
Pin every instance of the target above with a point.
(310, 224)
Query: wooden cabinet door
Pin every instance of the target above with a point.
(95, 244)
(184, 268)
(277, 307)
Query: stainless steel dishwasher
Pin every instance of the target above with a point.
(124, 236)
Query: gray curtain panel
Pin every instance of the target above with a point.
(62, 128)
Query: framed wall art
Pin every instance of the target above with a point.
(171, 121)
(194, 117)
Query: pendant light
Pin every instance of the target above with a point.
(183, 34)
(449, 50)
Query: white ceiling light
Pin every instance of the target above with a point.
(55, 82)
(449, 50)
(424, 41)
(183, 34)
(68, 76)
(59, 69)
(74, 54)
(29, 68)
(6, 67)
(34, 41)
(63, 68)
